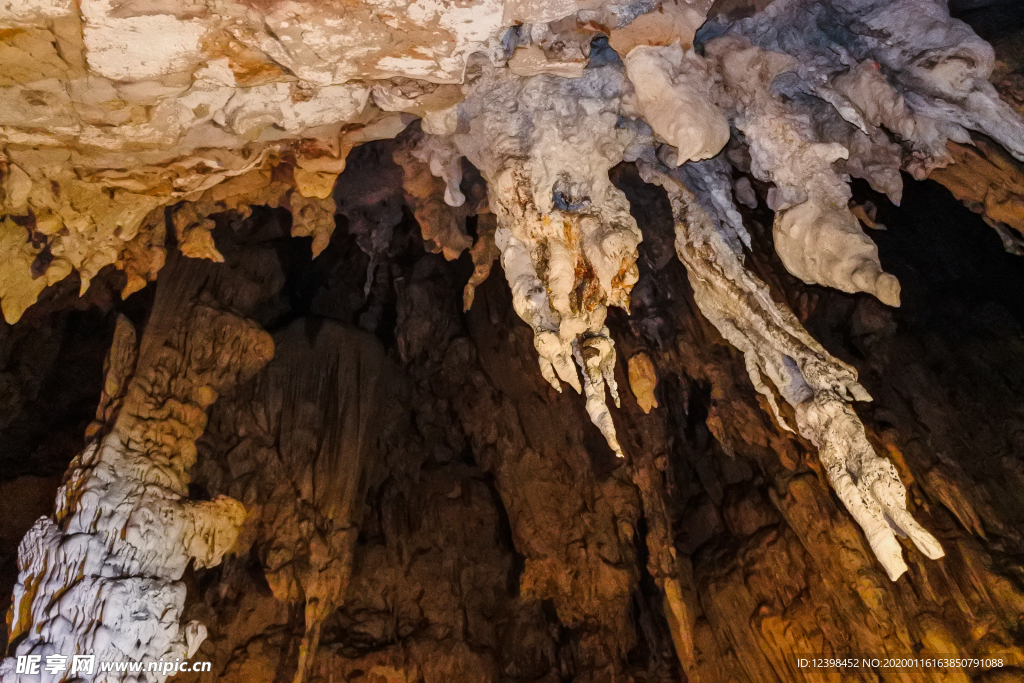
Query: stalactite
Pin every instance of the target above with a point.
(312, 217)
(673, 91)
(643, 380)
(432, 174)
(987, 181)
(814, 85)
(567, 241)
(820, 387)
(483, 252)
(816, 236)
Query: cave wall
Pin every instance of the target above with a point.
(500, 539)
(420, 503)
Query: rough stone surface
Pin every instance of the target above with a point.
(399, 494)
(103, 576)
(499, 539)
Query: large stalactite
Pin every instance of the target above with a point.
(292, 498)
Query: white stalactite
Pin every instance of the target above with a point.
(816, 236)
(673, 92)
(445, 162)
(818, 386)
(821, 89)
(568, 243)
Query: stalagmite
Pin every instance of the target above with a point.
(669, 571)
(818, 386)
(103, 577)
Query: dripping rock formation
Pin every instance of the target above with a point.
(269, 411)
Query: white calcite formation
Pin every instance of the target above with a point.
(819, 386)
(103, 577)
(673, 94)
(846, 52)
(567, 240)
(816, 236)
(821, 89)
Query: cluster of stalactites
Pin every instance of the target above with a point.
(568, 243)
(810, 111)
(822, 91)
(815, 97)
(775, 346)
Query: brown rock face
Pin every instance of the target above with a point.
(988, 181)
(423, 507)
(265, 406)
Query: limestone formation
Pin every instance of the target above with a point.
(816, 237)
(643, 380)
(312, 421)
(432, 175)
(581, 143)
(103, 577)
(568, 244)
(483, 252)
(673, 91)
(988, 181)
(902, 70)
(817, 385)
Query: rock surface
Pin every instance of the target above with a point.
(103, 576)
(499, 539)
(416, 500)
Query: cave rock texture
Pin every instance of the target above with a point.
(295, 430)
